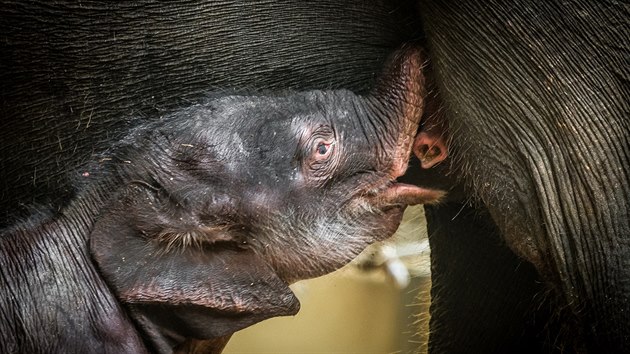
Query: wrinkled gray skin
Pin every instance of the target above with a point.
(537, 99)
(198, 221)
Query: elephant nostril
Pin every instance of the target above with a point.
(434, 151)
(427, 152)
(429, 149)
(423, 150)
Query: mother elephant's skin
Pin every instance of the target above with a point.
(198, 221)
(537, 96)
(69, 71)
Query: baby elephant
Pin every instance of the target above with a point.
(193, 225)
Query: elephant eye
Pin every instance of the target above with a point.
(323, 149)
(320, 153)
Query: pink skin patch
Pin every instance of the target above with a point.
(430, 149)
(401, 193)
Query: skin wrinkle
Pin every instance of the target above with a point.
(593, 196)
(81, 258)
(564, 168)
(381, 142)
(57, 272)
(585, 197)
(410, 110)
(363, 129)
(493, 154)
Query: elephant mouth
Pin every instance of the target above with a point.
(402, 194)
(396, 194)
(391, 193)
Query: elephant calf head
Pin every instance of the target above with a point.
(198, 221)
(221, 205)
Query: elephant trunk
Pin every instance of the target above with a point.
(401, 91)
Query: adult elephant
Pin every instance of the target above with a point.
(537, 98)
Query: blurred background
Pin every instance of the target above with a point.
(378, 304)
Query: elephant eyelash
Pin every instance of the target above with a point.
(174, 240)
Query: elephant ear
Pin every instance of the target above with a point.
(200, 292)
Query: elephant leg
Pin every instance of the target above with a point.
(484, 299)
